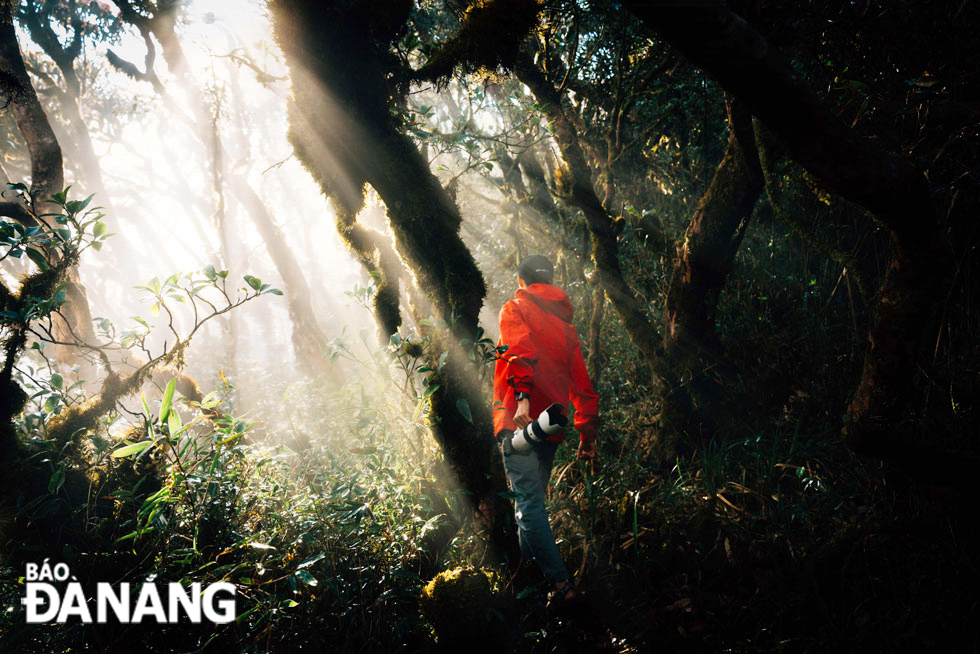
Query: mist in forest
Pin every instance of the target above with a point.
(168, 214)
(254, 258)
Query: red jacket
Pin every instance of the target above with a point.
(543, 359)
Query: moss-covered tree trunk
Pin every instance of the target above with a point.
(13, 207)
(578, 182)
(64, 57)
(74, 322)
(79, 140)
(726, 47)
(344, 125)
(705, 259)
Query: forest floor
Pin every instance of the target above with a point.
(795, 560)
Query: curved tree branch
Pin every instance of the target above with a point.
(726, 47)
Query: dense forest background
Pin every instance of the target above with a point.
(251, 260)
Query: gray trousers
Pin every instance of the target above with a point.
(529, 473)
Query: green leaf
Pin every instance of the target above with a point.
(99, 229)
(61, 196)
(210, 273)
(310, 561)
(229, 439)
(56, 380)
(274, 291)
(51, 403)
(306, 578)
(418, 410)
(57, 479)
(134, 534)
(75, 206)
(168, 397)
(38, 258)
(464, 408)
(254, 282)
(130, 450)
(174, 423)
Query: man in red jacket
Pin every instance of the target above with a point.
(542, 365)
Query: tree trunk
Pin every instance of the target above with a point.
(13, 207)
(726, 47)
(380, 262)
(39, 27)
(309, 339)
(68, 98)
(47, 174)
(596, 360)
(74, 322)
(706, 257)
(343, 129)
(219, 215)
(577, 179)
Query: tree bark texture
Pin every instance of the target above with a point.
(381, 262)
(577, 179)
(343, 128)
(597, 359)
(726, 47)
(11, 206)
(711, 241)
(47, 174)
(42, 33)
(705, 260)
(74, 322)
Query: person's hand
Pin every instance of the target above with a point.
(586, 450)
(522, 417)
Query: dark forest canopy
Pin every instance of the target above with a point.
(252, 256)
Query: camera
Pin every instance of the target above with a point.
(550, 421)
